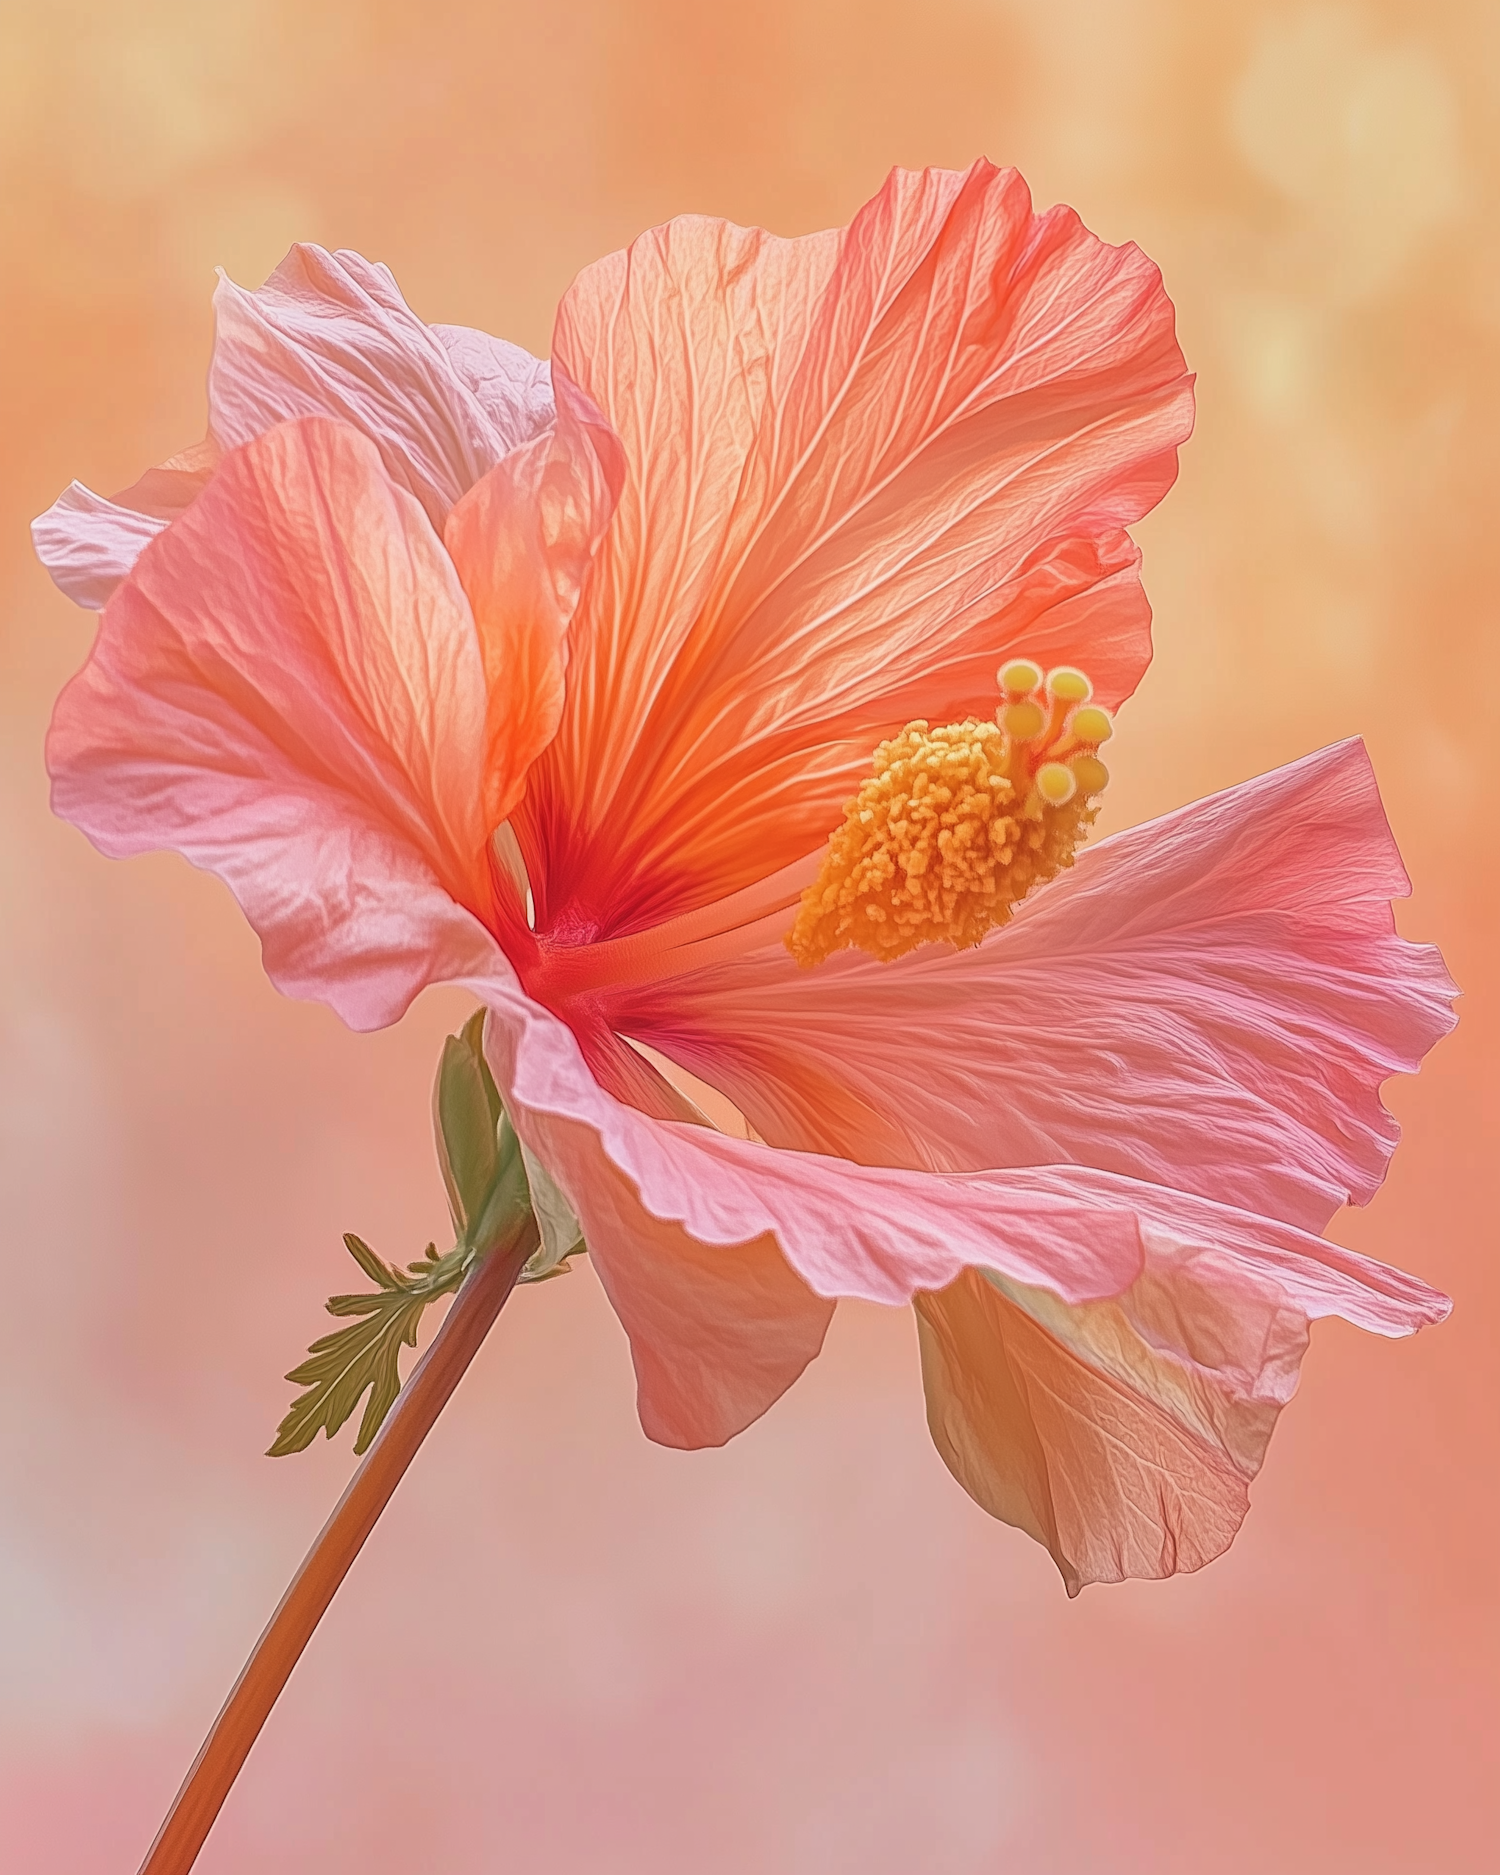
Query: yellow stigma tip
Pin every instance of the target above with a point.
(1090, 774)
(1092, 724)
(1020, 677)
(1069, 686)
(1022, 721)
(1056, 784)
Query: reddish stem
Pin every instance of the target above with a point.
(408, 1423)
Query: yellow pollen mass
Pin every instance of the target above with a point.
(951, 831)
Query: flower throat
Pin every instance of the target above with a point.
(958, 823)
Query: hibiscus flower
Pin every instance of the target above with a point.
(723, 707)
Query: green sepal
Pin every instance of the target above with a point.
(557, 1223)
(466, 1116)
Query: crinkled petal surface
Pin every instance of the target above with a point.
(513, 389)
(1089, 1462)
(330, 335)
(863, 466)
(288, 690)
(1209, 1001)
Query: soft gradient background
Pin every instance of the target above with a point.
(809, 1654)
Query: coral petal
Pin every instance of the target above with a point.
(288, 691)
(522, 539)
(864, 466)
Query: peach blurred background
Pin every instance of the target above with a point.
(809, 1654)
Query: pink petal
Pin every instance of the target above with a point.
(864, 465)
(523, 539)
(513, 389)
(1210, 1001)
(1185, 1234)
(718, 1331)
(287, 690)
(330, 335)
(877, 1232)
(89, 543)
(722, 1258)
(698, 1203)
(1115, 1402)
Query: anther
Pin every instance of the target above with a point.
(1068, 685)
(1056, 783)
(1020, 677)
(958, 822)
(1091, 724)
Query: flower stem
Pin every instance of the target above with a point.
(411, 1418)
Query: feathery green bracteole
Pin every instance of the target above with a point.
(489, 1179)
(341, 1366)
